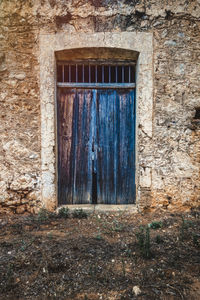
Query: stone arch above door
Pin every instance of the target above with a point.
(124, 45)
(98, 53)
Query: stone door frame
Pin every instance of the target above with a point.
(52, 42)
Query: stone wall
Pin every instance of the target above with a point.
(169, 160)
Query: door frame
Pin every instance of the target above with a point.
(50, 45)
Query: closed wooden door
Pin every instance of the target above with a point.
(96, 146)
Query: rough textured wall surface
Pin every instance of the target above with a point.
(170, 164)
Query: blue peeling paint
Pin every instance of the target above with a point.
(102, 144)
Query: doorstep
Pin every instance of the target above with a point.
(128, 208)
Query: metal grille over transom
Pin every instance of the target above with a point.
(99, 75)
(96, 132)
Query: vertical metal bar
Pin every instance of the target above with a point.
(83, 73)
(76, 73)
(129, 74)
(122, 74)
(63, 73)
(69, 73)
(96, 79)
(102, 74)
(89, 73)
(132, 73)
(109, 70)
(116, 75)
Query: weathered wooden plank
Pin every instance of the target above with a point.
(126, 148)
(105, 140)
(65, 117)
(74, 153)
(115, 138)
(82, 139)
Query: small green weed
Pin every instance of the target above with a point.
(79, 214)
(123, 267)
(52, 215)
(159, 239)
(93, 269)
(185, 224)
(128, 252)
(23, 246)
(155, 225)
(10, 270)
(9, 280)
(43, 215)
(143, 237)
(17, 227)
(110, 227)
(63, 212)
(98, 236)
(117, 226)
(50, 235)
(196, 239)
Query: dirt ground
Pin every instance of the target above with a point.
(100, 256)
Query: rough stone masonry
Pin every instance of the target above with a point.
(169, 160)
